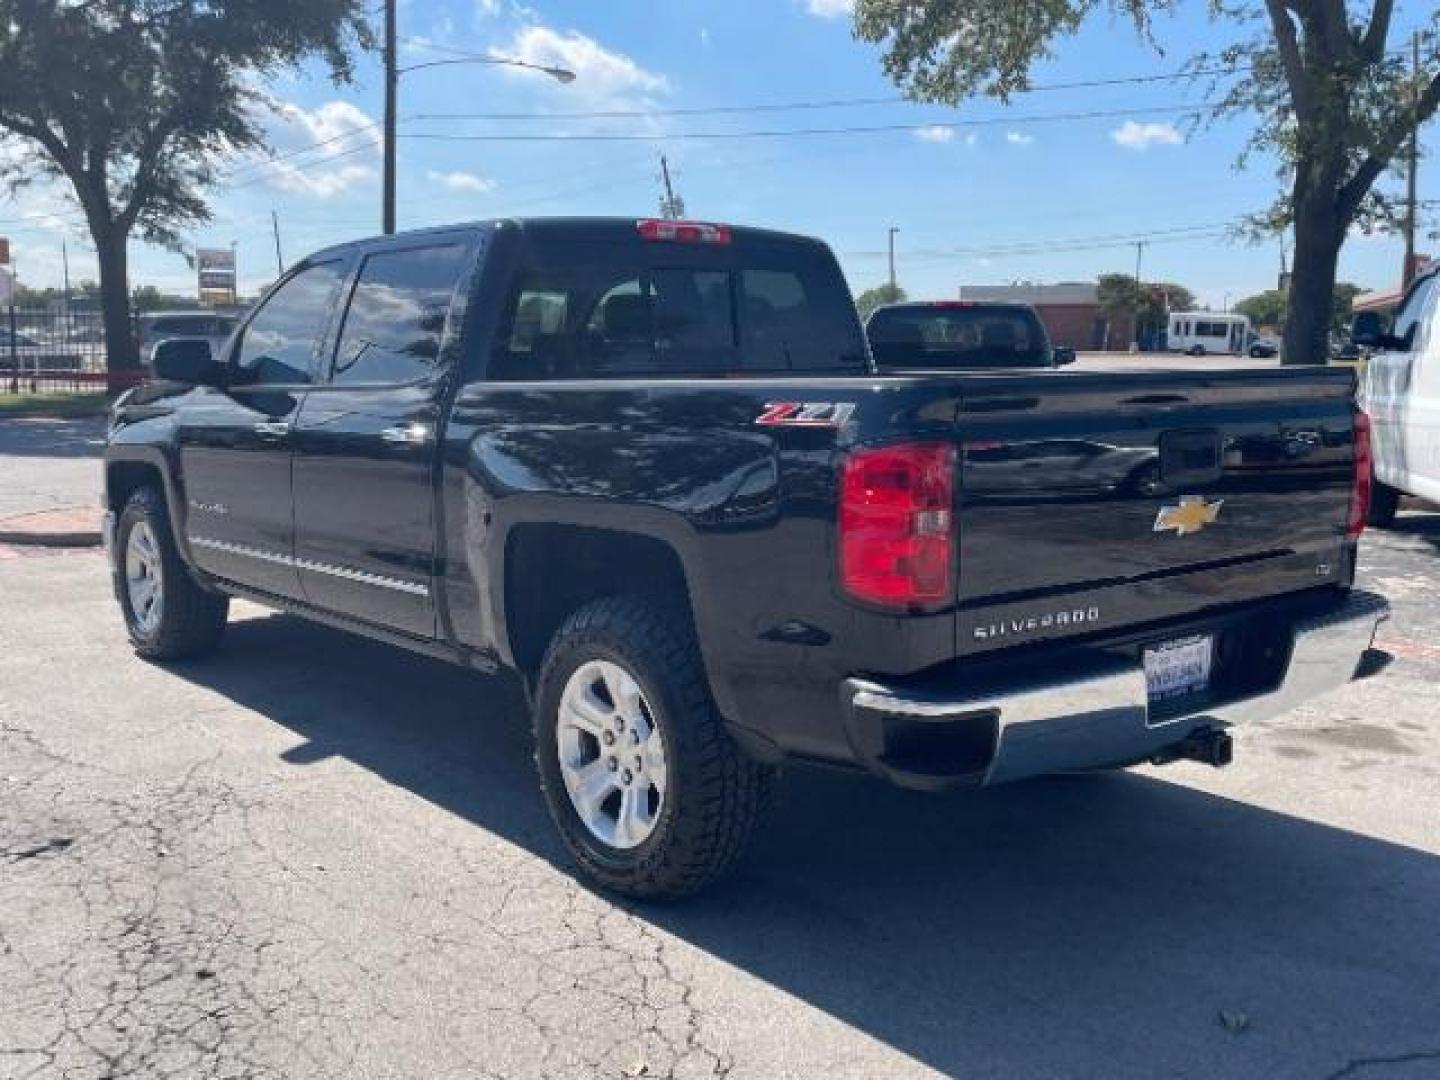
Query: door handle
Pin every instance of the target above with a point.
(272, 429)
(416, 434)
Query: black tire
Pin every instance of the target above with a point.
(1197, 350)
(714, 792)
(1384, 505)
(191, 620)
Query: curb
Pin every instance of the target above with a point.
(62, 527)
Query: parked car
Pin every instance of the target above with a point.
(156, 326)
(946, 335)
(650, 468)
(24, 352)
(1400, 389)
(1264, 345)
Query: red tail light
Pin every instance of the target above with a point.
(684, 232)
(1362, 481)
(896, 543)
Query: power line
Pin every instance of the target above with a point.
(873, 129)
(835, 103)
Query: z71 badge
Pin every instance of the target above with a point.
(822, 414)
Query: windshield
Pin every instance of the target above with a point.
(969, 336)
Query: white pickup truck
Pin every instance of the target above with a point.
(1401, 391)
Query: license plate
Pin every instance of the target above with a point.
(1178, 667)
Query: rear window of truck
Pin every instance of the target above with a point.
(597, 311)
(955, 336)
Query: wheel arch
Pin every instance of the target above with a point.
(553, 569)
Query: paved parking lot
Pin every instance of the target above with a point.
(311, 856)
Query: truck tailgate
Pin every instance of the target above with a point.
(1107, 500)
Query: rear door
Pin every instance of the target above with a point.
(366, 441)
(235, 443)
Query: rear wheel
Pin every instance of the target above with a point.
(1197, 350)
(1384, 505)
(649, 792)
(167, 614)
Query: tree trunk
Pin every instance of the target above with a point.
(122, 355)
(1319, 232)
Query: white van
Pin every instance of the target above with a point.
(1400, 389)
(1202, 332)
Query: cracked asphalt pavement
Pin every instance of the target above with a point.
(312, 856)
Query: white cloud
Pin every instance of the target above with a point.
(971, 138)
(460, 181)
(1016, 138)
(336, 137)
(487, 8)
(601, 75)
(1136, 136)
(830, 9)
(704, 37)
(935, 133)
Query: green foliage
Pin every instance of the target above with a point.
(870, 299)
(1269, 308)
(1332, 100)
(1121, 296)
(139, 103)
(1264, 309)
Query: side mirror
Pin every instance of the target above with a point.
(1062, 354)
(186, 360)
(1367, 328)
(1368, 331)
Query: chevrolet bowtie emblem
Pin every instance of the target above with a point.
(1190, 516)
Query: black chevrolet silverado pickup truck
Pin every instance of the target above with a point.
(649, 467)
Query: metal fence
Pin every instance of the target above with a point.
(51, 350)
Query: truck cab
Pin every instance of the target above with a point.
(1400, 390)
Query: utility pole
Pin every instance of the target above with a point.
(65, 271)
(671, 205)
(279, 259)
(893, 231)
(1139, 251)
(392, 77)
(1407, 273)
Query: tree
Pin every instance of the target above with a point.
(1334, 102)
(1269, 308)
(136, 102)
(1263, 309)
(870, 299)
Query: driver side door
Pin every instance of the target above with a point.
(235, 442)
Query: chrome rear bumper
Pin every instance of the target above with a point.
(1098, 717)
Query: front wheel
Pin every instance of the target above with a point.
(649, 792)
(167, 615)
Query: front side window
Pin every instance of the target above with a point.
(1411, 316)
(397, 315)
(280, 346)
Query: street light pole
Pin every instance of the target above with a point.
(392, 86)
(893, 231)
(392, 78)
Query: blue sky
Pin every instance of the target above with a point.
(980, 194)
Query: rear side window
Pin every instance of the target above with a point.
(978, 336)
(589, 311)
(397, 315)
